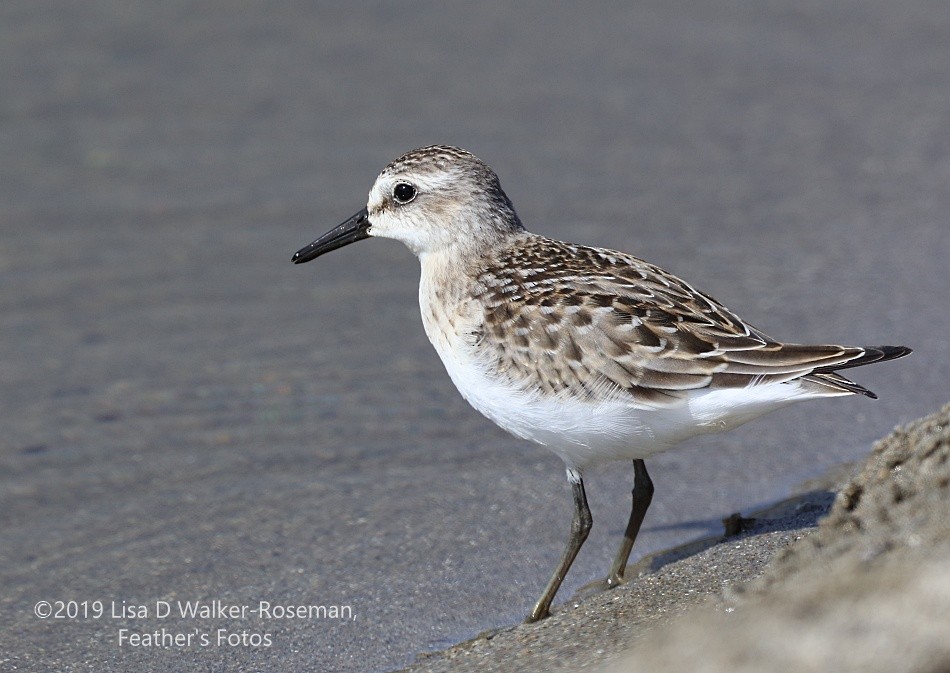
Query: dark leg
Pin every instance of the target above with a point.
(642, 495)
(580, 527)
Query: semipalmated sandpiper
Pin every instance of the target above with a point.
(593, 353)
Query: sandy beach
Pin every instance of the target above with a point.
(189, 418)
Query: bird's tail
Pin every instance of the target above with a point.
(828, 377)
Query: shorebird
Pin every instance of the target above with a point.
(593, 353)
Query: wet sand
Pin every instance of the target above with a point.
(186, 416)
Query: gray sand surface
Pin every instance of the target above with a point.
(187, 416)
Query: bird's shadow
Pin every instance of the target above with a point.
(797, 512)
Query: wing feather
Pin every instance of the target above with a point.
(598, 323)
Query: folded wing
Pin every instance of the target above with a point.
(631, 329)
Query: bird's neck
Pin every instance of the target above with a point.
(444, 281)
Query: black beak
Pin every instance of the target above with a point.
(354, 229)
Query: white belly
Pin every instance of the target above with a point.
(583, 433)
(579, 432)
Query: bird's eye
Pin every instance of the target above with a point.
(403, 192)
